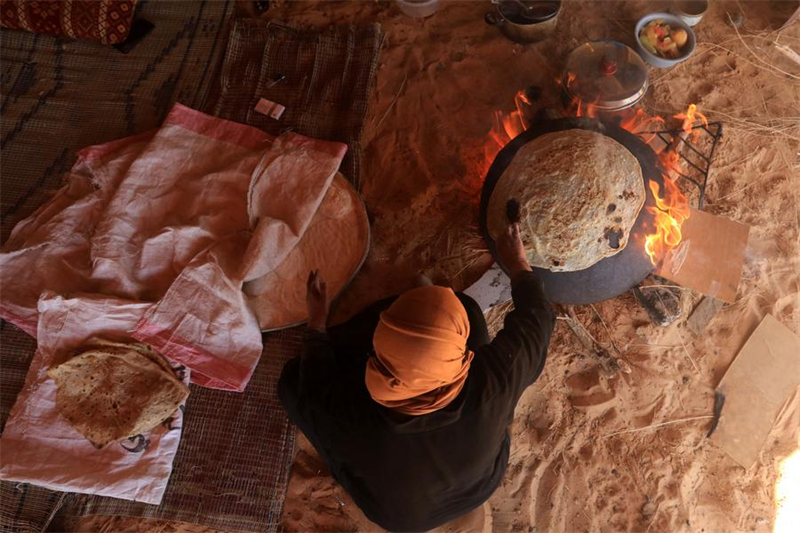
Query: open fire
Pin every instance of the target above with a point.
(508, 126)
(672, 206)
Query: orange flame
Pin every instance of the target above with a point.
(639, 122)
(577, 107)
(690, 117)
(671, 210)
(506, 127)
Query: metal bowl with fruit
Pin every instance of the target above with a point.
(664, 40)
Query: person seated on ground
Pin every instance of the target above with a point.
(409, 403)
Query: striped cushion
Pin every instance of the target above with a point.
(103, 21)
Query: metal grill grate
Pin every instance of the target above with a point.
(696, 150)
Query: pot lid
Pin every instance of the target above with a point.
(528, 11)
(606, 74)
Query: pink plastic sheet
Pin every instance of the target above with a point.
(39, 446)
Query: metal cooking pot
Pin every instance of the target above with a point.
(606, 74)
(525, 21)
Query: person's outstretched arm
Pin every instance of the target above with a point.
(519, 350)
(310, 373)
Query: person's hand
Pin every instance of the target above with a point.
(317, 301)
(511, 251)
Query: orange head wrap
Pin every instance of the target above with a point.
(421, 352)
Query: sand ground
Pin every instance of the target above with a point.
(426, 150)
(439, 82)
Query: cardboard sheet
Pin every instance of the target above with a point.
(710, 256)
(759, 381)
(794, 16)
(494, 288)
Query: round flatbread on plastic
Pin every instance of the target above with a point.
(109, 393)
(335, 243)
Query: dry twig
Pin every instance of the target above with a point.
(610, 337)
(653, 426)
(686, 351)
(394, 101)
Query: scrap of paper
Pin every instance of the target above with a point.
(270, 108)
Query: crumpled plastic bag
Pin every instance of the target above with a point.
(180, 218)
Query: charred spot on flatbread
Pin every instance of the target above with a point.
(614, 236)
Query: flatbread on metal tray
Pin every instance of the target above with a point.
(335, 243)
(579, 194)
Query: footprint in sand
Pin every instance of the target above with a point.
(586, 389)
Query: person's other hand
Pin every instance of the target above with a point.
(511, 251)
(317, 301)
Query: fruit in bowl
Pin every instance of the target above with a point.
(660, 39)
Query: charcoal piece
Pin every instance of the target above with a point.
(663, 304)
